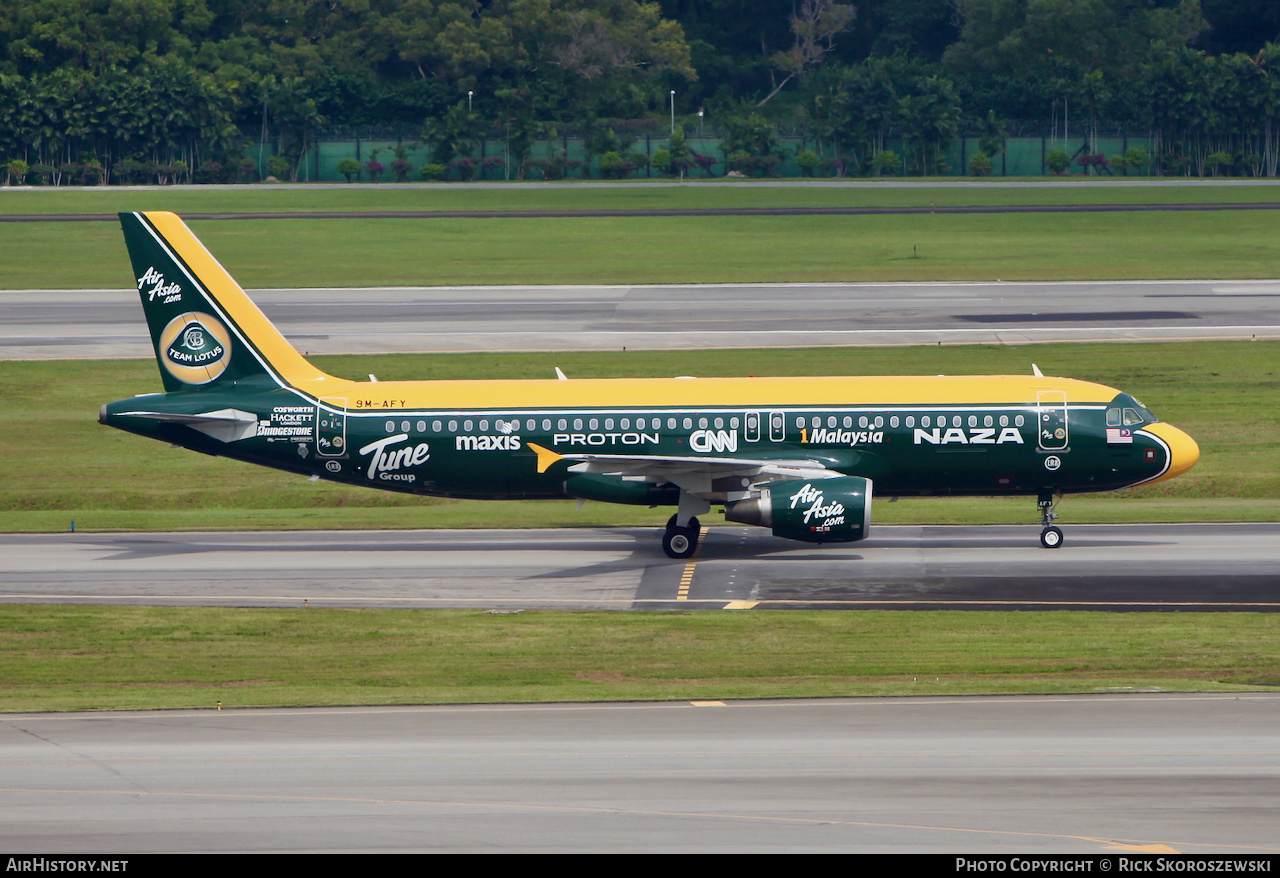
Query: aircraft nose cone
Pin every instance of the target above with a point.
(1183, 450)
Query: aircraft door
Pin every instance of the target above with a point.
(1052, 411)
(777, 427)
(751, 427)
(331, 427)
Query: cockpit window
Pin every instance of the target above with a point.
(1125, 411)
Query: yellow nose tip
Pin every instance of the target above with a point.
(1183, 450)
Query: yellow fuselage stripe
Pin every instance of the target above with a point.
(701, 393)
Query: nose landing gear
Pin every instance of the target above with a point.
(1051, 536)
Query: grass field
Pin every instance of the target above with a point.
(415, 252)
(81, 658)
(108, 480)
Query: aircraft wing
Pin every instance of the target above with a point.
(694, 474)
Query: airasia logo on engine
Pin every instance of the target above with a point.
(818, 514)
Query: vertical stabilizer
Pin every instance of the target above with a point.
(204, 329)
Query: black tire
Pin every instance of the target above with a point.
(1051, 537)
(680, 543)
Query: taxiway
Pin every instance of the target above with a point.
(1132, 776)
(44, 324)
(1101, 567)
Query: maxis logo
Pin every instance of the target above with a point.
(979, 436)
(159, 289)
(486, 443)
(386, 462)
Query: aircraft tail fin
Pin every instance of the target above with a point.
(204, 329)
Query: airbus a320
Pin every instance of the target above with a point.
(800, 456)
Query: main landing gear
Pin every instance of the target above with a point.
(1051, 536)
(681, 542)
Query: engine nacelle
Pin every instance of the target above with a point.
(813, 510)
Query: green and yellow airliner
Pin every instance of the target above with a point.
(797, 455)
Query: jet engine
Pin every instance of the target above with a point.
(836, 510)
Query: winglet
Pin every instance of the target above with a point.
(546, 457)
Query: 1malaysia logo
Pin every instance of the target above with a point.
(195, 348)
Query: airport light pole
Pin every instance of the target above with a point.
(469, 94)
(673, 111)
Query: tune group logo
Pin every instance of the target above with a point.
(195, 348)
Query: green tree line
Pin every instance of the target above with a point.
(174, 89)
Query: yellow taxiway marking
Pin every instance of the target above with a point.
(686, 578)
(741, 605)
(708, 704)
(1143, 848)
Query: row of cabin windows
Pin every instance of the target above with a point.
(816, 421)
(531, 424)
(878, 422)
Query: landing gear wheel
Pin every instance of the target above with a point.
(680, 542)
(1051, 537)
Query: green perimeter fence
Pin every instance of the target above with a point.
(1021, 157)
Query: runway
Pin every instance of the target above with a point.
(44, 324)
(1100, 567)
(1116, 777)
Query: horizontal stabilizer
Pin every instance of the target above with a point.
(225, 425)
